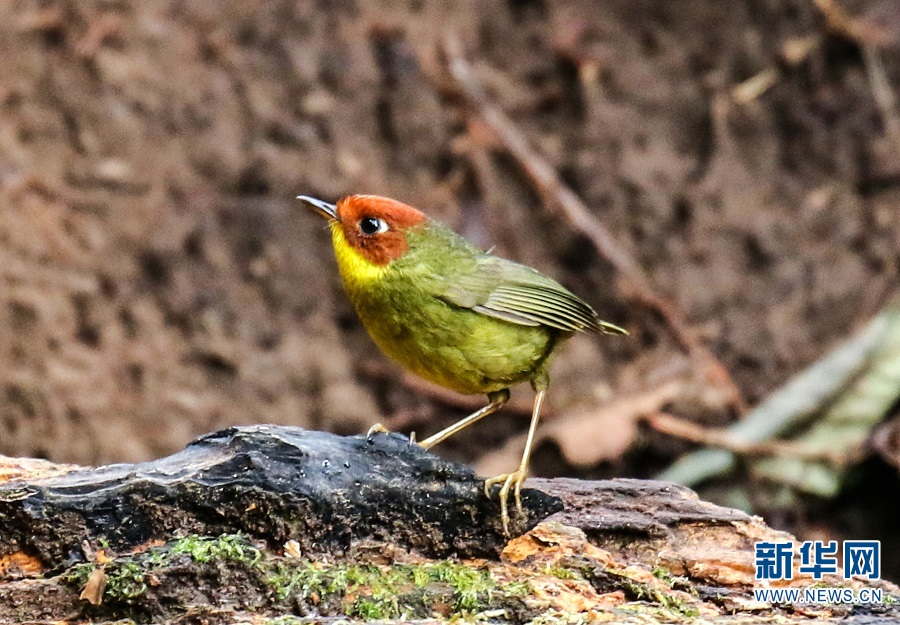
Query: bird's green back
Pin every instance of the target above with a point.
(464, 319)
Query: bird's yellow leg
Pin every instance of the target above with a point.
(498, 399)
(517, 477)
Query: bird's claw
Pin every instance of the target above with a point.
(380, 429)
(376, 429)
(509, 479)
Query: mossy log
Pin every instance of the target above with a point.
(269, 524)
(276, 483)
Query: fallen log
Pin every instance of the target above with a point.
(275, 483)
(265, 522)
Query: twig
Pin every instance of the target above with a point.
(839, 22)
(792, 53)
(556, 192)
(755, 86)
(884, 95)
(472, 146)
(790, 407)
(724, 439)
(867, 37)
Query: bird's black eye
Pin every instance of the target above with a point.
(372, 225)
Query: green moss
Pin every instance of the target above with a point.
(651, 593)
(361, 591)
(517, 589)
(78, 575)
(646, 592)
(127, 581)
(676, 582)
(228, 547)
(373, 593)
(660, 612)
(374, 608)
(560, 572)
(663, 574)
(678, 604)
(127, 577)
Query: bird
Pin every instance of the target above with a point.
(451, 313)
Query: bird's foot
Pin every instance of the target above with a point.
(376, 429)
(512, 480)
(380, 429)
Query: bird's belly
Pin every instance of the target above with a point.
(460, 349)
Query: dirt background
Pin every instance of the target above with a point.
(158, 281)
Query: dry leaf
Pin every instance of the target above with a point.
(292, 549)
(96, 584)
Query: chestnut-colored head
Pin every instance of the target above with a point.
(372, 225)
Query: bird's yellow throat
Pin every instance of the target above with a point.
(354, 267)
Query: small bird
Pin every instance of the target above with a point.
(451, 313)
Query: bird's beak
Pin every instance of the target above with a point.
(329, 211)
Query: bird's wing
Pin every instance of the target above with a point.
(519, 294)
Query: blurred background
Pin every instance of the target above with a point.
(158, 280)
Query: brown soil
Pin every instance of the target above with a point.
(158, 281)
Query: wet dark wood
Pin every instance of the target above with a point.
(275, 483)
(368, 502)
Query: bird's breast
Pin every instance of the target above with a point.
(454, 347)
